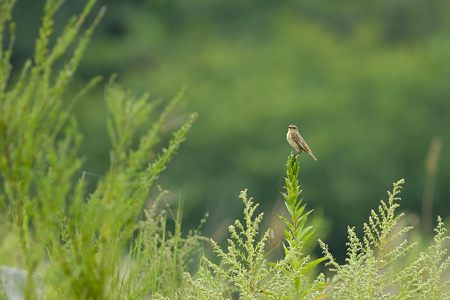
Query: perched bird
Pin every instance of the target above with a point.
(297, 142)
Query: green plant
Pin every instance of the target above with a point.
(378, 266)
(297, 233)
(157, 258)
(243, 267)
(105, 243)
(39, 137)
(73, 238)
(244, 263)
(373, 268)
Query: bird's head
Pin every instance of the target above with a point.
(292, 127)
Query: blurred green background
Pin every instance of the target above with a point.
(367, 82)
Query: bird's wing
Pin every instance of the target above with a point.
(301, 143)
(298, 141)
(305, 146)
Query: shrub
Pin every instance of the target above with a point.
(374, 268)
(77, 240)
(244, 268)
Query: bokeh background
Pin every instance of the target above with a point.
(367, 82)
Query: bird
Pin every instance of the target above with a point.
(297, 142)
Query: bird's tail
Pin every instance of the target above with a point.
(312, 155)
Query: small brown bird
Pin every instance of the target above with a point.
(297, 142)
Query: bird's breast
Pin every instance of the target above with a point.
(291, 141)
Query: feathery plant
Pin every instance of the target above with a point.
(99, 229)
(39, 137)
(378, 265)
(77, 241)
(373, 269)
(244, 268)
(244, 263)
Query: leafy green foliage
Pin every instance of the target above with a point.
(427, 276)
(106, 243)
(39, 138)
(244, 267)
(373, 267)
(297, 234)
(244, 263)
(157, 258)
(75, 239)
(378, 265)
